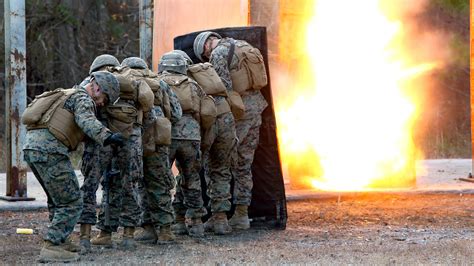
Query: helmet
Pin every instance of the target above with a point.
(185, 55)
(134, 62)
(108, 84)
(199, 42)
(173, 62)
(103, 60)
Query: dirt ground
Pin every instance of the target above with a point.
(355, 229)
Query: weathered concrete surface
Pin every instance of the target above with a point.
(34, 190)
(433, 176)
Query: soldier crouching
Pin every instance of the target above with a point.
(56, 122)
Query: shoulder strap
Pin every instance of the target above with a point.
(231, 52)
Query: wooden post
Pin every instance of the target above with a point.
(15, 100)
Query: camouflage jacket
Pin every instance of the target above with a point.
(254, 101)
(83, 108)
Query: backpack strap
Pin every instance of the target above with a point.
(231, 52)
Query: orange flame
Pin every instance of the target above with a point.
(347, 121)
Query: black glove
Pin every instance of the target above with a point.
(115, 138)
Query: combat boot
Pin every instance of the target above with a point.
(70, 246)
(147, 235)
(197, 228)
(221, 225)
(240, 219)
(209, 225)
(55, 253)
(165, 236)
(128, 243)
(103, 239)
(85, 238)
(179, 227)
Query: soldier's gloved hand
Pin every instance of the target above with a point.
(116, 138)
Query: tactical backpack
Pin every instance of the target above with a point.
(206, 76)
(181, 86)
(159, 133)
(47, 111)
(131, 89)
(250, 72)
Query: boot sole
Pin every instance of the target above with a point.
(163, 242)
(103, 246)
(45, 260)
(147, 241)
(240, 227)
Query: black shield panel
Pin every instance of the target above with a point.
(268, 194)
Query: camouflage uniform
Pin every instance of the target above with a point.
(94, 162)
(248, 128)
(48, 159)
(223, 138)
(158, 179)
(186, 150)
(123, 206)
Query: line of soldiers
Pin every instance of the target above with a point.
(135, 124)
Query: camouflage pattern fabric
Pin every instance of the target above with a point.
(154, 192)
(223, 138)
(248, 132)
(95, 160)
(123, 206)
(248, 128)
(56, 175)
(48, 158)
(186, 150)
(188, 154)
(158, 183)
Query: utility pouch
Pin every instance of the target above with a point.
(206, 76)
(64, 128)
(240, 79)
(208, 112)
(256, 68)
(236, 104)
(39, 106)
(121, 118)
(145, 97)
(222, 107)
(162, 131)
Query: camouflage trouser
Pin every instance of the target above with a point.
(56, 175)
(158, 183)
(95, 160)
(248, 132)
(223, 138)
(188, 200)
(123, 207)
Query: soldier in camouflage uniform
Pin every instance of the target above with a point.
(47, 156)
(123, 206)
(186, 145)
(94, 160)
(223, 138)
(155, 192)
(211, 46)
